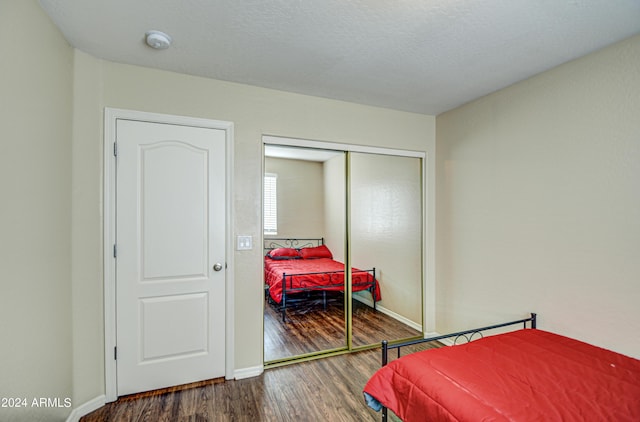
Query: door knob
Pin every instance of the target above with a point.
(217, 266)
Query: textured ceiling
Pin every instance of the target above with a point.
(425, 56)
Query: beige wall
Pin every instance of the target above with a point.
(300, 195)
(36, 68)
(86, 233)
(538, 202)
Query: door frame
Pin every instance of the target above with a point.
(428, 211)
(111, 115)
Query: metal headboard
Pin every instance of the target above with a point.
(296, 243)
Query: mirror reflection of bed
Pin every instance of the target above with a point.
(305, 302)
(385, 226)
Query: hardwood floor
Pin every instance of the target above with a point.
(309, 327)
(328, 389)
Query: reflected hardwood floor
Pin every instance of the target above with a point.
(328, 389)
(309, 327)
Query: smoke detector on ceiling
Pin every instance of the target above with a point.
(158, 40)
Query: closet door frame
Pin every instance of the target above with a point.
(428, 237)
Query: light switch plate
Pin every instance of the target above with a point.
(245, 243)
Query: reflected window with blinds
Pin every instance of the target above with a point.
(270, 204)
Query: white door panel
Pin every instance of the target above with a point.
(163, 320)
(170, 232)
(171, 247)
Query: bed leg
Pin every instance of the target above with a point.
(385, 352)
(384, 414)
(284, 296)
(373, 289)
(284, 307)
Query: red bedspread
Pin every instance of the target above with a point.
(273, 270)
(525, 375)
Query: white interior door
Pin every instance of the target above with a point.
(170, 265)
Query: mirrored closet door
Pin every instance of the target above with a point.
(343, 250)
(304, 276)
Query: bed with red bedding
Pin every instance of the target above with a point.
(297, 267)
(524, 375)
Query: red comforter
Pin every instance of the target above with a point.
(526, 375)
(274, 269)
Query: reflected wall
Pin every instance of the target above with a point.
(386, 233)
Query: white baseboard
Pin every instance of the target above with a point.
(86, 408)
(387, 312)
(447, 341)
(248, 372)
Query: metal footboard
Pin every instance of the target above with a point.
(369, 285)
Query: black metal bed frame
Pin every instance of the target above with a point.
(298, 243)
(468, 335)
(295, 243)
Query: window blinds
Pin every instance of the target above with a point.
(270, 204)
